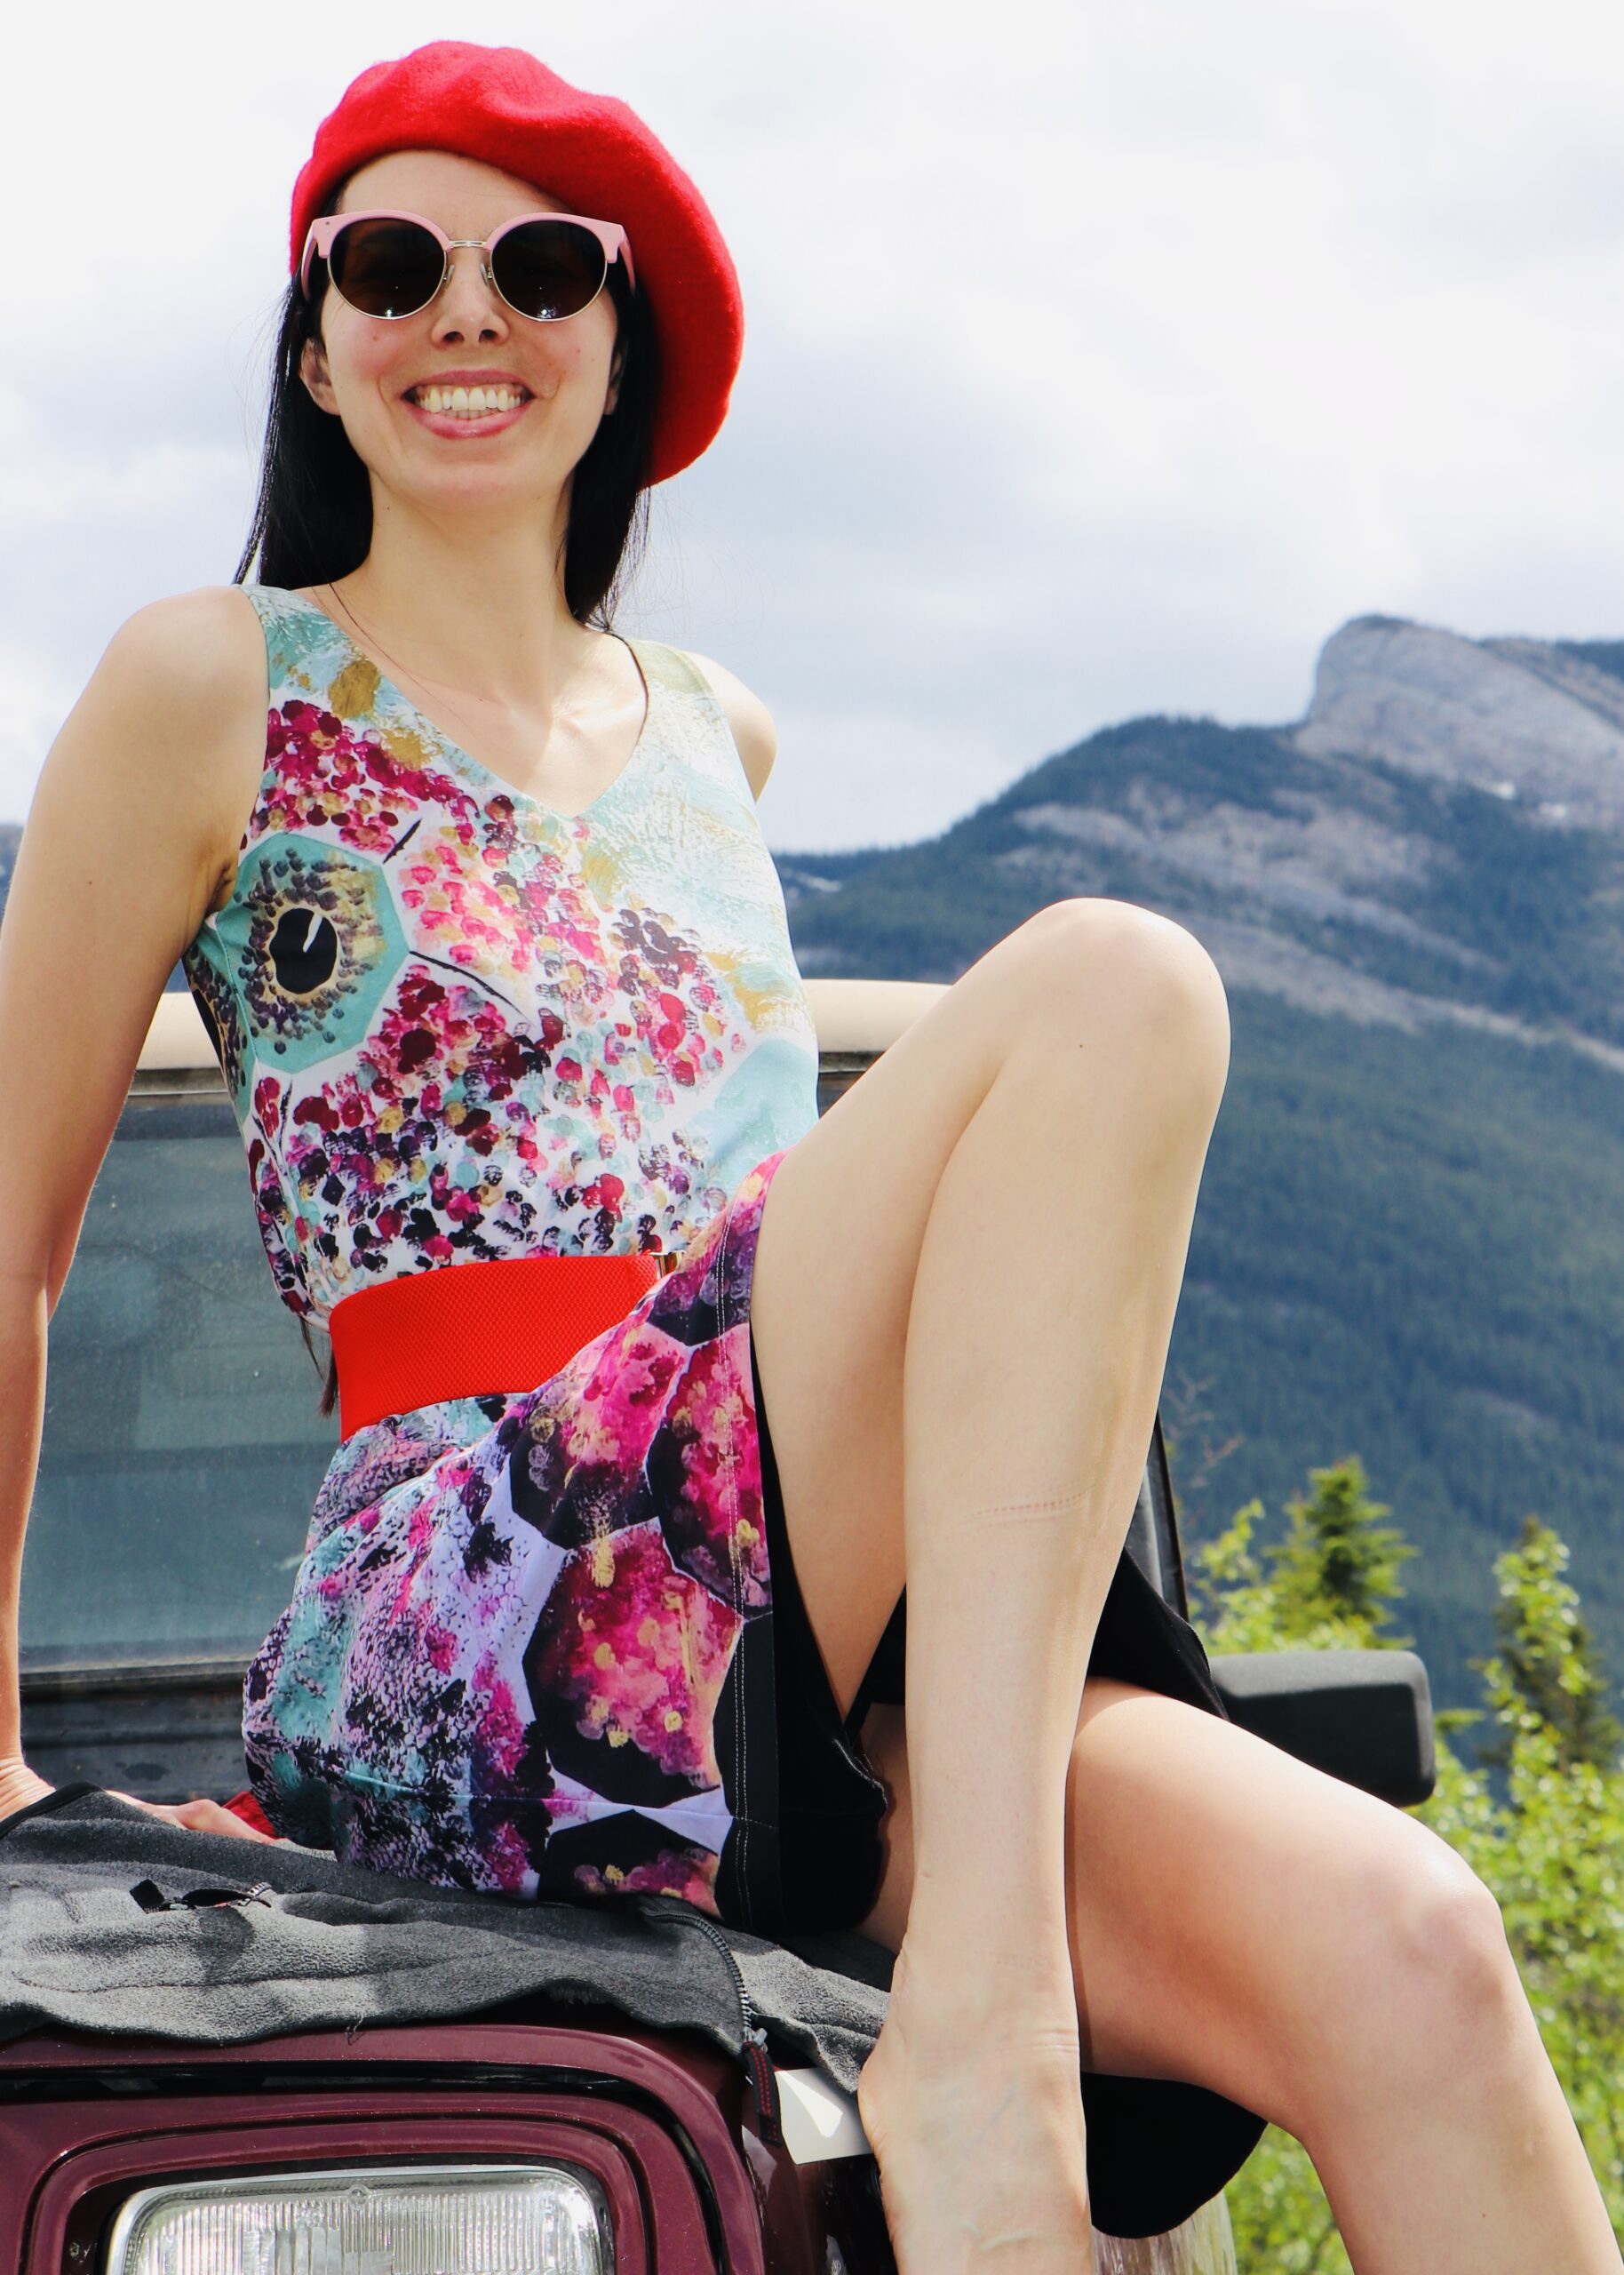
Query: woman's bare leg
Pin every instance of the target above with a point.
(1243, 1921)
(1036, 1329)
(1036, 1345)
(1324, 2012)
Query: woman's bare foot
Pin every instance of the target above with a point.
(973, 2106)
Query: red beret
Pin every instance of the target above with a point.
(502, 106)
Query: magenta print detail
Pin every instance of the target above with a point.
(525, 1665)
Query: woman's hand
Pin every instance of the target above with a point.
(197, 1816)
(19, 1785)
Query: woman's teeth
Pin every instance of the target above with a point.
(467, 403)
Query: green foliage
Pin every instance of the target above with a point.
(1545, 1677)
(1552, 1848)
(1338, 1566)
(1331, 1583)
(1547, 1837)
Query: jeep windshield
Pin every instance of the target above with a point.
(182, 1448)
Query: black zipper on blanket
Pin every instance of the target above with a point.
(752, 2051)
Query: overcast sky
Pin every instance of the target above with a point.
(1100, 358)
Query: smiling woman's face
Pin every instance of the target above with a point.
(367, 369)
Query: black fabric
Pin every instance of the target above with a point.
(830, 1802)
(882, 1684)
(1139, 1638)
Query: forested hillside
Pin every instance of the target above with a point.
(1412, 1231)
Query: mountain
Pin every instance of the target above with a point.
(1409, 1243)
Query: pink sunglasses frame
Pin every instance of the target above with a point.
(318, 243)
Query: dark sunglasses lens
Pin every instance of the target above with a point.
(386, 268)
(548, 269)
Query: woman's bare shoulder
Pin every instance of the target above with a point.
(134, 824)
(185, 675)
(168, 732)
(193, 649)
(755, 735)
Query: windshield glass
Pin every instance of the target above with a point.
(182, 1448)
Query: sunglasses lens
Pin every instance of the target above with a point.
(548, 269)
(385, 268)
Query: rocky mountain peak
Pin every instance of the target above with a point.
(1536, 721)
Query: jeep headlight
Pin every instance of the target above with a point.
(405, 2220)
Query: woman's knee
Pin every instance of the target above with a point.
(1127, 980)
(1452, 1937)
(1420, 1979)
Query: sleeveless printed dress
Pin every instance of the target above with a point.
(529, 1647)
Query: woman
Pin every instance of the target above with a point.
(500, 979)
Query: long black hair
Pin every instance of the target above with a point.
(313, 515)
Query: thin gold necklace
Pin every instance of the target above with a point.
(388, 658)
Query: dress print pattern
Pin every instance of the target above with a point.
(527, 1634)
(514, 1663)
(455, 1025)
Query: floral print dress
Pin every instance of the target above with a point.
(529, 1647)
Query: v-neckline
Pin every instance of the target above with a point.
(465, 757)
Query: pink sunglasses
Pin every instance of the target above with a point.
(545, 266)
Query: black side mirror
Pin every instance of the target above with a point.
(1362, 1716)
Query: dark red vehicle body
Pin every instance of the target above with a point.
(666, 2125)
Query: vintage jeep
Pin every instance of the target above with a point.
(181, 1453)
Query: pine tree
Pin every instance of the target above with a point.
(1338, 1562)
(1330, 1583)
(1547, 1669)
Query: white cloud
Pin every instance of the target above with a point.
(1099, 360)
(35, 699)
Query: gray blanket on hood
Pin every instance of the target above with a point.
(114, 1921)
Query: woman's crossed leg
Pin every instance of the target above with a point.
(965, 1284)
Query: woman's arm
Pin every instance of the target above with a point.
(130, 839)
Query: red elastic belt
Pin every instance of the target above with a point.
(464, 1331)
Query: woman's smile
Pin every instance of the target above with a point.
(462, 402)
(459, 419)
